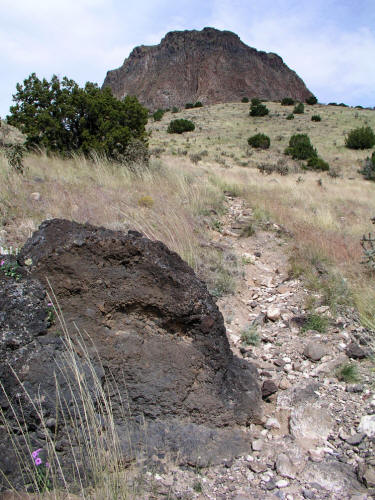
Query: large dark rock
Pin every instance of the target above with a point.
(210, 66)
(152, 327)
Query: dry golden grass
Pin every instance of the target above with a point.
(326, 216)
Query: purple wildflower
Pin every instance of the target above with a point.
(47, 465)
(38, 461)
(2, 262)
(36, 453)
(49, 304)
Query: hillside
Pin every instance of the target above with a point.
(279, 250)
(210, 66)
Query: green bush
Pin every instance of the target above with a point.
(62, 117)
(316, 118)
(316, 163)
(368, 170)
(261, 141)
(300, 147)
(311, 100)
(290, 116)
(189, 105)
(299, 109)
(175, 109)
(245, 99)
(287, 101)
(315, 322)
(257, 108)
(158, 115)
(360, 138)
(179, 126)
(198, 104)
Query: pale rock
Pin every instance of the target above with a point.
(257, 444)
(35, 196)
(315, 351)
(288, 367)
(249, 258)
(273, 313)
(317, 454)
(284, 384)
(367, 425)
(287, 359)
(272, 423)
(282, 483)
(321, 309)
(329, 366)
(310, 424)
(285, 466)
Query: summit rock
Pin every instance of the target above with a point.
(210, 66)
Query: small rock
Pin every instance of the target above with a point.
(35, 196)
(283, 289)
(270, 485)
(355, 351)
(285, 466)
(316, 454)
(308, 494)
(268, 387)
(258, 466)
(282, 483)
(356, 388)
(321, 309)
(257, 254)
(272, 423)
(284, 384)
(315, 351)
(273, 313)
(356, 439)
(369, 477)
(257, 444)
(51, 423)
(367, 425)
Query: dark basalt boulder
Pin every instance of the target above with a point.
(150, 325)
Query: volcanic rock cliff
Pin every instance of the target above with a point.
(210, 66)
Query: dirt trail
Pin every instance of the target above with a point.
(313, 441)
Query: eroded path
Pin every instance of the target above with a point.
(317, 438)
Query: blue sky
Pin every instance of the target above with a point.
(329, 43)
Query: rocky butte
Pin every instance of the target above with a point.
(210, 66)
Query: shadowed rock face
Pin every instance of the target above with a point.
(155, 327)
(210, 66)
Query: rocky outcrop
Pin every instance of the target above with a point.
(210, 66)
(153, 328)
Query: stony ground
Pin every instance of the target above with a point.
(317, 437)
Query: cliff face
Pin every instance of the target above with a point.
(210, 66)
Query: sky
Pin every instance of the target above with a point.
(329, 43)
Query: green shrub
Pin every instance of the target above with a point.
(257, 108)
(158, 115)
(198, 104)
(368, 170)
(300, 147)
(62, 117)
(290, 116)
(299, 109)
(245, 99)
(316, 118)
(175, 109)
(348, 372)
(360, 138)
(261, 141)
(189, 105)
(316, 163)
(179, 126)
(250, 336)
(287, 101)
(315, 322)
(311, 100)
(14, 153)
